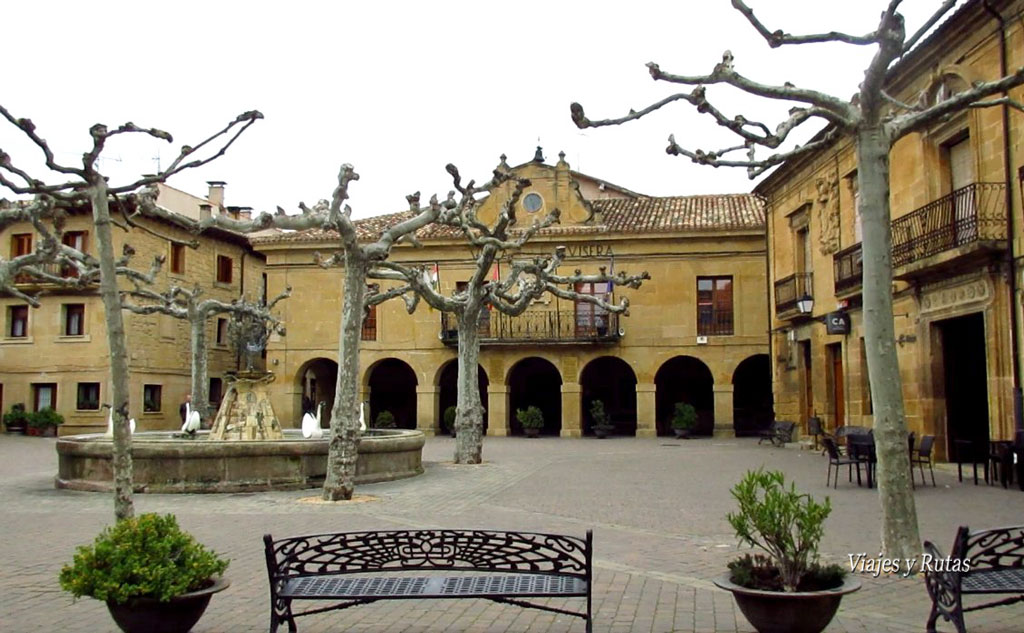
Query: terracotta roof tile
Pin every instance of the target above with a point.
(617, 215)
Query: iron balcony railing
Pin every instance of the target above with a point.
(848, 269)
(789, 290)
(26, 279)
(971, 214)
(540, 326)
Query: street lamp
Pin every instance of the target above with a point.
(805, 304)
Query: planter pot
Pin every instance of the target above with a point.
(681, 434)
(178, 615)
(46, 431)
(532, 432)
(781, 612)
(17, 428)
(600, 433)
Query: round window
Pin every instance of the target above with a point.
(533, 202)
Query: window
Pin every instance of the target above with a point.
(21, 244)
(224, 266)
(222, 331)
(178, 260)
(370, 324)
(714, 306)
(17, 321)
(151, 398)
(88, 396)
(855, 195)
(44, 394)
(77, 240)
(216, 392)
(74, 319)
(591, 319)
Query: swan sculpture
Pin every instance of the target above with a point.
(192, 421)
(362, 421)
(110, 422)
(311, 425)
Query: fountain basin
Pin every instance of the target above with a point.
(166, 462)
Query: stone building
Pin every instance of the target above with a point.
(57, 355)
(956, 230)
(696, 331)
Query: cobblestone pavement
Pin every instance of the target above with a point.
(657, 507)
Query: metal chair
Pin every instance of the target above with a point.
(837, 460)
(815, 430)
(921, 455)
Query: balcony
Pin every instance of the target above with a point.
(27, 281)
(848, 269)
(967, 225)
(538, 326)
(791, 289)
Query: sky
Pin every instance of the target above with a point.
(400, 89)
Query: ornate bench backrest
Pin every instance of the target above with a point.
(405, 550)
(1000, 547)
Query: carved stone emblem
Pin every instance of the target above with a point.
(828, 214)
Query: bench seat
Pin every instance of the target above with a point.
(1004, 580)
(509, 585)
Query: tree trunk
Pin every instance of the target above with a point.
(344, 447)
(124, 507)
(469, 418)
(900, 537)
(200, 380)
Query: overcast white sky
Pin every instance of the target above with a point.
(401, 89)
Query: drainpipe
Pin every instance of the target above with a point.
(1018, 397)
(768, 295)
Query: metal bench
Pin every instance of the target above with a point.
(779, 433)
(996, 566)
(362, 567)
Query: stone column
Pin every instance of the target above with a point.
(572, 418)
(646, 411)
(427, 415)
(497, 410)
(723, 411)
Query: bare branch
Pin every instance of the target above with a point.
(755, 167)
(913, 122)
(29, 129)
(1006, 101)
(778, 38)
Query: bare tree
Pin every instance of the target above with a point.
(876, 122)
(86, 184)
(188, 305)
(525, 282)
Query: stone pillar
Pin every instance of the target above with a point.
(723, 411)
(427, 416)
(646, 411)
(497, 410)
(572, 418)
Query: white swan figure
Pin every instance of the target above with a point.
(110, 422)
(362, 421)
(311, 425)
(192, 422)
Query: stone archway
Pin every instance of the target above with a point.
(448, 390)
(315, 382)
(684, 379)
(752, 403)
(612, 381)
(392, 385)
(535, 382)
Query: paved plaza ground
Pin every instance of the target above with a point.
(656, 506)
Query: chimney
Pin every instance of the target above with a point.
(204, 212)
(216, 195)
(245, 213)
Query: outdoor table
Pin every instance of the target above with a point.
(861, 447)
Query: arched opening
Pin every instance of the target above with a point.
(612, 381)
(684, 379)
(393, 388)
(535, 382)
(316, 381)
(752, 403)
(448, 386)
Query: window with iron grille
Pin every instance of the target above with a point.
(714, 306)
(74, 319)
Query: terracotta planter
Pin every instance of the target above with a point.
(781, 612)
(178, 615)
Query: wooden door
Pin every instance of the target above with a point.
(837, 394)
(808, 382)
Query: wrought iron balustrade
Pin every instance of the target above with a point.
(789, 290)
(541, 326)
(848, 269)
(57, 270)
(972, 214)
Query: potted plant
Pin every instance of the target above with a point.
(16, 421)
(385, 420)
(602, 426)
(531, 419)
(786, 589)
(684, 418)
(449, 420)
(154, 577)
(44, 422)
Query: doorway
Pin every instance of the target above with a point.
(836, 393)
(965, 379)
(808, 383)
